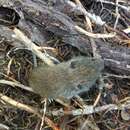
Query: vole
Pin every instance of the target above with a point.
(66, 79)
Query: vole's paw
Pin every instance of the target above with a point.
(50, 100)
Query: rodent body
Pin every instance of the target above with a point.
(66, 79)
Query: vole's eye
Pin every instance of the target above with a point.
(79, 86)
(73, 65)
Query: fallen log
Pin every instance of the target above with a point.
(59, 24)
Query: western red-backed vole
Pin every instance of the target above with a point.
(66, 79)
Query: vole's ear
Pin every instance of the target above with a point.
(73, 64)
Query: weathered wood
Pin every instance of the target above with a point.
(50, 19)
(116, 58)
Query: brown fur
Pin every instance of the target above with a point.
(66, 79)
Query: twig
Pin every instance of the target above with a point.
(19, 105)
(4, 127)
(28, 109)
(9, 65)
(127, 30)
(44, 112)
(93, 17)
(11, 83)
(116, 76)
(6, 76)
(34, 48)
(62, 103)
(88, 24)
(46, 48)
(118, 15)
(97, 35)
(90, 109)
(97, 99)
(112, 3)
(101, 86)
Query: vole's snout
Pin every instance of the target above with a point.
(100, 64)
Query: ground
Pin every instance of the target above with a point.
(60, 29)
